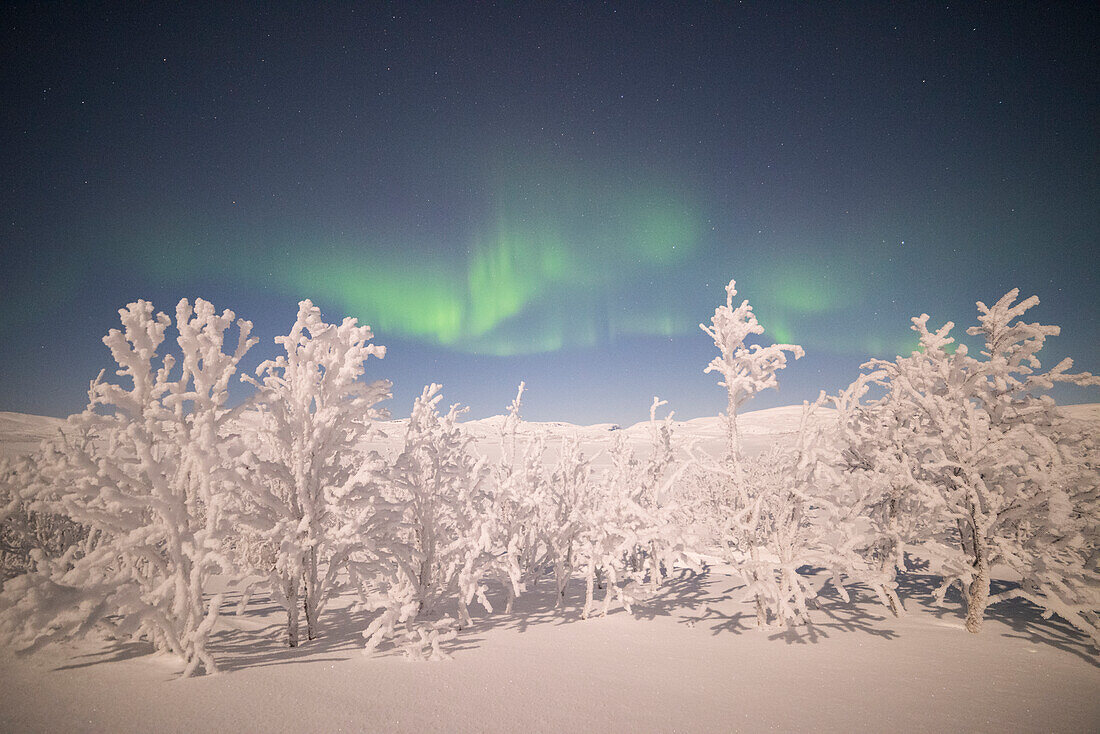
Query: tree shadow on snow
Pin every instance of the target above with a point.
(865, 613)
(826, 619)
(828, 614)
(256, 638)
(1025, 619)
(240, 646)
(686, 590)
(693, 598)
(115, 652)
(537, 607)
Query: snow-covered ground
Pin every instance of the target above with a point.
(688, 660)
(674, 668)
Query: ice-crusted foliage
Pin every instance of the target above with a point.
(617, 527)
(526, 508)
(608, 526)
(519, 489)
(870, 482)
(25, 532)
(778, 514)
(563, 515)
(399, 624)
(297, 464)
(439, 485)
(139, 471)
(972, 444)
(769, 522)
(509, 433)
(662, 536)
(745, 370)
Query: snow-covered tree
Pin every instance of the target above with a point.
(608, 525)
(870, 482)
(25, 532)
(298, 460)
(973, 443)
(745, 370)
(563, 514)
(619, 526)
(519, 489)
(777, 515)
(661, 533)
(139, 471)
(768, 517)
(439, 485)
(442, 482)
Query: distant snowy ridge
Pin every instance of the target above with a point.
(20, 433)
(1082, 412)
(773, 420)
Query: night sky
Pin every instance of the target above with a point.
(554, 193)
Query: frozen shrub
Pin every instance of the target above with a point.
(139, 471)
(297, 460)
(971, 444)
(745, 371)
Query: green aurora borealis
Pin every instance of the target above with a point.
(536, 279)
(562, 261)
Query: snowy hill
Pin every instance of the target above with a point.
(21, 433)
(1083, 412)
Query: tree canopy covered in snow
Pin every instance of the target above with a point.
(123, 523)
